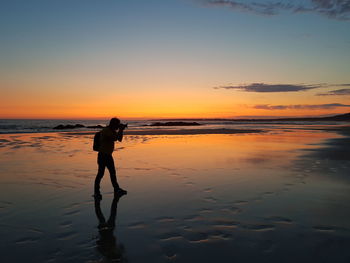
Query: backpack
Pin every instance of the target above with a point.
(97, 143)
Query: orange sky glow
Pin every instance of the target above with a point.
(165, 59)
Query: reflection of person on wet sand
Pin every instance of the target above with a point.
(107, 242)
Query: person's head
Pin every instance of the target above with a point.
(114, 123)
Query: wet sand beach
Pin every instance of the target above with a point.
(226, 196)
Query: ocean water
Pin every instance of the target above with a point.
(43, 125)
(8, 126)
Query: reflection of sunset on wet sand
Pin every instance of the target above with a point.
(190, 196)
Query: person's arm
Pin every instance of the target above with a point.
(120, 134)
(114, 135)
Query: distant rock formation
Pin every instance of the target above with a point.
(174, 123)
(340, 117)
(95, 127)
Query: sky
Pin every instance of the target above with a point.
(174, 58)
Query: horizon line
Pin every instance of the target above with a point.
(172, 118)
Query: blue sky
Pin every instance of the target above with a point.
(160, 46)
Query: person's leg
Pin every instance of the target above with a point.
(101, 170)
(113, 213)
(112, 171)
(99, 214)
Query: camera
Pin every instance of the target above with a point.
(123, 126)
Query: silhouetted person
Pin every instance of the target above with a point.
(107, 242)
(113, 132)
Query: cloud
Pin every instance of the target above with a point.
(334, 9)
(262, 87)
(337, 92)
(299, 106)
(268, 8)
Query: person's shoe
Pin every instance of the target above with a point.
(120, 192)
(97, 196)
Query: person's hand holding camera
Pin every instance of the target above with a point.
(122, 126)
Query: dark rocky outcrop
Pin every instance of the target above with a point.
(174, 123)
(95, 127)
(68, 126)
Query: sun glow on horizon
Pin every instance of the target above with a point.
(164, 59)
